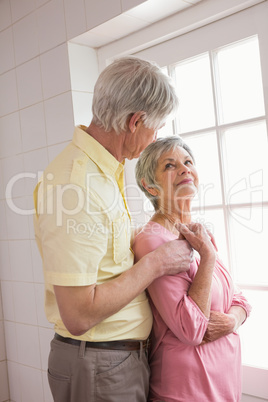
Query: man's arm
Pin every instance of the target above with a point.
(83, 307)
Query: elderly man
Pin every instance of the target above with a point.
(94, 293)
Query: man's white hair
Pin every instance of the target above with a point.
(131, 85)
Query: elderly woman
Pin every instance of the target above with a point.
(195, 353)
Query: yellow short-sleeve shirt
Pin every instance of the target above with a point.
(83, 231)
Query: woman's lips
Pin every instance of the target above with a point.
(185, 181)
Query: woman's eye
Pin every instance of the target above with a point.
(188, 162)
(168, 166)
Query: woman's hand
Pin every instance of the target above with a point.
(220, 324)
(199, 290)
(201, 240)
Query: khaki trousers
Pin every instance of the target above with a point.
(80, 374)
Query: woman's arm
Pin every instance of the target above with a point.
(199, 290)
(183, 304)
(221, 324)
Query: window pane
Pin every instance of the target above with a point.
(167, 130)
(214, 222)
(246, 163)
(254, 333)
(205, 151)
(249, 234)
(239, 81)
(193, 83)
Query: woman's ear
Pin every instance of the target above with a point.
(151, 190)
(136, 120)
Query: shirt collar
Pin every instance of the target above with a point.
(97, 153)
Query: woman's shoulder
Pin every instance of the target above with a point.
(151, 236)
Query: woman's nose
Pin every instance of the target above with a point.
(183, 169)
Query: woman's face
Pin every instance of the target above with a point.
(176, 176)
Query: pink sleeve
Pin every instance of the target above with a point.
(169, 295)
(179, 312)
(240, 300)
(144, 244)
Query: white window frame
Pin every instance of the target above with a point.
(200, 36)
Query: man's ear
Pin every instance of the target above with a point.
(151, 190)
(136, 120)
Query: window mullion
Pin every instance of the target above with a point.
(171, 73)
(217, 110)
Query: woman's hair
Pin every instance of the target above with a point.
(131, 85)
(148, 161)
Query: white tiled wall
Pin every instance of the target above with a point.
(42, 97)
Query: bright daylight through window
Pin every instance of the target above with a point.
(222, 118)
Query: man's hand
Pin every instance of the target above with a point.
(174, 257)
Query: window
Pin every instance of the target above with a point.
(222, 118)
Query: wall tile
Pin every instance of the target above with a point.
(8, 90)
(5, 270)
(21, 260)
(54, 150)
(13, 176)
(40, 303)
(7, 300)
(2, 191)
(55, 71)
(4, 391)
(25, 31)
(11, 341)
(82, 104)
(31, 384)
(14, 381)
(83, 67)
(40, 3)
(45, 336)
(75, 17)
(20, 8)
(47, 393)
(28, 345)
(6, 48)
(37, 264)
(3, 220)
(51, 25)
(5, 14)
(29, 83)
(34, 163)
(33, 128)
(2, 343)
(128, 4)
(17, 218)
(10, 135)
(30, 217)
(24, 303)
(100, 11)
(59, 118)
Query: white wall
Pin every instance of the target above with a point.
(42, 97)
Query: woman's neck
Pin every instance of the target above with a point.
(181, 213)
(169, 218)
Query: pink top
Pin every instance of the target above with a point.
(181, 370)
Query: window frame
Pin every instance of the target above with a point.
(218, 34)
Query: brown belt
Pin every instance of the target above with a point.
(112, 345)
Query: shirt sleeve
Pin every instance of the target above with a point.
(73, 241)
(169, 295)
(240, 300)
